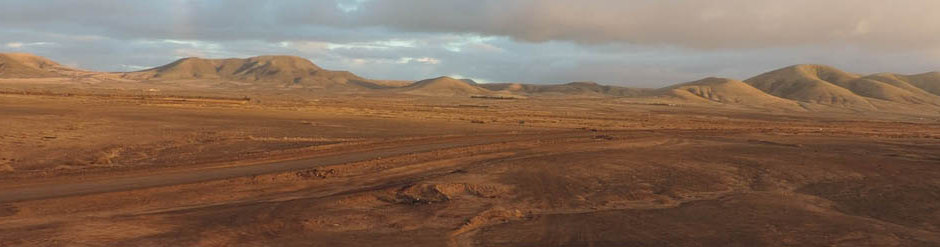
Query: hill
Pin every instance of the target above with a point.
(510, 87)
(891, 88)
(22, 65)
(444, 86)
(573, 88)
(929, 82)
(816, 86)
(725, 91)
(286, 71)
(391, 83)
(812, 84)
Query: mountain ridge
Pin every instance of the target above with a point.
(803, 83)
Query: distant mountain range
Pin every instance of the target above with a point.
(795, 87)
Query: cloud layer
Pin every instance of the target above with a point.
(902, 24)
(630, 42)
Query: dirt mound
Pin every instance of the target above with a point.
(445, 86)
(428, 193)
(810, 83)
(22, 65)
(726, 91)
(288, 71)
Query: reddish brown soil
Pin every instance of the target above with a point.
(100, 171)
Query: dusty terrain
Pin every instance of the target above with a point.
(97, 159)
(93, 171)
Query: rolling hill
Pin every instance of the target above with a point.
(510, 87)
(890, 88)
(815, 87)
(22, 65)
(929, 82)
(573, 88)
(812, 84)
(444, 86)
(283, 71)
(725, 91)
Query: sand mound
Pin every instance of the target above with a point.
(445, 86)
(726, 91)
(282, 70)
(810, 83)
(22, 65)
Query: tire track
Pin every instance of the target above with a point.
(47, 191)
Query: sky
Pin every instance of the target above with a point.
(643, 43)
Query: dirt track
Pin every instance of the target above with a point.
(255, 177)
(140, 181)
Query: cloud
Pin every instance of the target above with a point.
(628, 42)
(420, 60)
(713, 24)
(18, 45)
(902, 24)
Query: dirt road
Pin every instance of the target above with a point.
(140, 181)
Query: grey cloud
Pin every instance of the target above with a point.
(627, 42)
(900, 24)
(174, 19)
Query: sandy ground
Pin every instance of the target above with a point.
(411, 171)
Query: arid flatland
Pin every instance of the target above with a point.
(220, 156)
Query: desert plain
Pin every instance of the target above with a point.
(275, 151)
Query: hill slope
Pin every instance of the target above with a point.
(280, 70)
(725, 91)
(812, 84)
(891, 88)
(929, 82)
(22, 65)
(573, 88)
(444, 86)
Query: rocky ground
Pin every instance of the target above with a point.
(371, 171)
